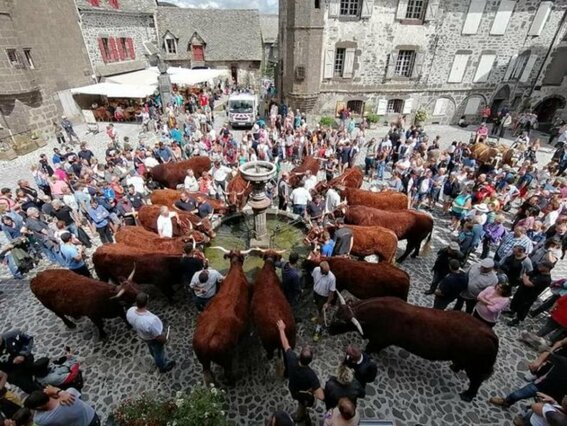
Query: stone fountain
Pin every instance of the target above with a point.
(258, 173)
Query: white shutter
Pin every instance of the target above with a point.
(382, 107)
(459, 67)
(329, 63)
(540, 18)
(392, 59)
(348, 67)
(472, 106)
(502, 17)
(510, 68)
(528, 69)
(408, 105)
(474, 15)
(334, 8)
(484, 67)
(431, 11)
(367, 6)
(417, 65)
(441, 105)
(402, 9)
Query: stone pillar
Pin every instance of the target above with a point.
(164, 85)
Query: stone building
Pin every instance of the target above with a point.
(269, 29)
(389, 57)
(215, 38)
(114, 33)
(38, 67)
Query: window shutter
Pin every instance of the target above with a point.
(130, 45)
(473, 104)
(102, 50)
(510, 68)
(474, 16)
(528, 69)
(402, 9)
(329, 63)
(459, 67)
(95, 3)
(540, 18)
(382, 107)
(348, 68)
(367, 6)
(484, 67)
(334, 8)
(408, 105)
(502, 17)
(393, 57)
(120, 47)
(417, 65)
(114, 56)
(114, 4)
(431, 11)
(441, 105)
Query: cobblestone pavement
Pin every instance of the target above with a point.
(408, 389)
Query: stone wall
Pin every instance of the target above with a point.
(103, 24)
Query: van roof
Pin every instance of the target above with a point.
(242, 97)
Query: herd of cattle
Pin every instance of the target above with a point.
(378, 222)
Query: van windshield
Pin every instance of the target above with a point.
(241, 106)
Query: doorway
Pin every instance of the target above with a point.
(547, 108)
(234, 73)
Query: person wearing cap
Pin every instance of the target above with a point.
(516, 238)
(365, 369)
(516, 265)
(450, 286)
(533, 284)
(480, 276)
(492, 301)
(441, 266)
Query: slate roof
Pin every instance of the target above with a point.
(145, 6)
(269, 25)
(229, 34)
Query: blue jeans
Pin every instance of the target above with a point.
(528, 391)
(380, 167)
(299, 209)
(157, 350)
(12, 266)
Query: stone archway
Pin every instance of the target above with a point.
(546, 108)
(500, 99)
(470, 108)
(441, 110)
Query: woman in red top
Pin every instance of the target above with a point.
(556, 324)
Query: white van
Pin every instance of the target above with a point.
(242, 109)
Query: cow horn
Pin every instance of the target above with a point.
(249, 250)
(221, 249)
(280, 251)
(119, 294)
(357, 325)
(199, 223)
(131, 276)
(194, 242)
(341, 298)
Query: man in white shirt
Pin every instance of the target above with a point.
(150, 162)
(310, 181)
(204, 286)
(324, 288)
(150, 329)
(220, 174)
(332, 200)
(164, 223)
(137, 182)
(299, 199)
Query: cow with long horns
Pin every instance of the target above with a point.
(137, 236)
(183, 224)
(68, 294)
(269, 304)
(237, 192)
(429, 333)
(225, 319)
(173, 174)
(297, 173)
(351, 178)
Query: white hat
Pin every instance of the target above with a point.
(487, 263)
(483, 208)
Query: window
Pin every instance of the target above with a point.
(29, 60)
(404, 63)
(395, 106)
(474, 16)
(95, 3)
(339, 62)
(540, 18)
(317, 4)
(170, 45)
(198, 52)
(13, 57)
(459, 67)
(356, 107)
(502, 17)
(123, 48)
(416, 9)
(105, 50)
(350, 7)
(114, 4)
(484, 67)
(520, 65)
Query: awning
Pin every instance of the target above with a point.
(111, 90)
(180, 76)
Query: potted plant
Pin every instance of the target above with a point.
(421, 117)
(144, 411)
(204, 406)
(326, 121)
(373, 119)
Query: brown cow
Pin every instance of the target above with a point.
(66, 293)
(297, 173)
(225, 319)
(351, 178)
(368, 240)
(270, 305)
(237, 192)
(410, 225)
(148, 216)
(365, 279)
(432, 334)
(173, 174)
(137, 236)
(168, 197)
(385, 200)
(112, 261)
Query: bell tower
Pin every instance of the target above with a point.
(301, 24)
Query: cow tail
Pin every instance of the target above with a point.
(427, 246)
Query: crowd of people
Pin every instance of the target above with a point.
(508, 223)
